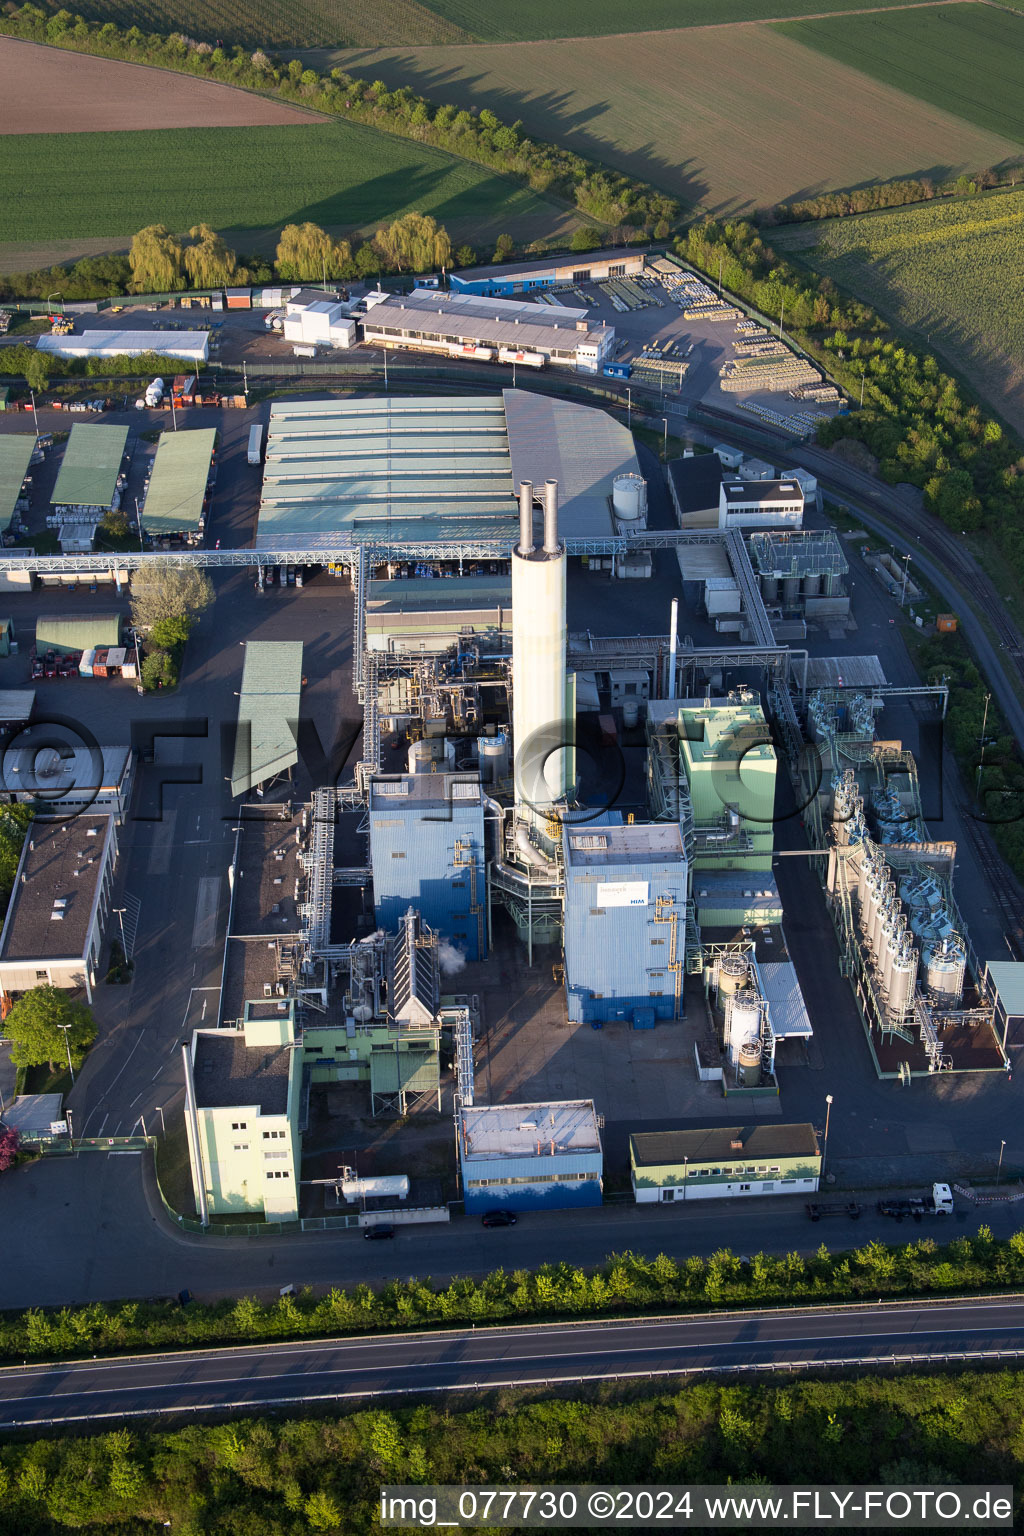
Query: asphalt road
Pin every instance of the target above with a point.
(283, 1374)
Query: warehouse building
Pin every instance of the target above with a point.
(490, 329)
(427, 849)
(242, 1104)
(16, 450)
(724, 1162)
(267, 734)
(695, 485)
(320, 322)
(53, 932)
(190, 346)
(69, 633)
(175, 505)
(87, 485)
(420, 471)
(431, 615)
(528, 1157)
(625, 922)
(504, 281)
(760, 504)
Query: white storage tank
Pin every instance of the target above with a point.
(944, 967)
(902, 978)
(629, 500)
(434, 754)
(395, 1185)
(630, 713)
(733, 971)
(743, 1025)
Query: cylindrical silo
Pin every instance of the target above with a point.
(629, 501)
(743, 1024)
(790, 591)
(944, 967)
(812, 585)
(538, 665)
(733, 971)
(492, 752)
(871, 905)
(630, 713)
(770, 588)
(748, 1067)
(903, 975)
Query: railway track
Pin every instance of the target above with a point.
(998, 879)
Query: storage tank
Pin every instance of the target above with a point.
(434, 754)
(944, 967)
(733, 971)
(394, 1184)
(492, 752)
(770, 588)
(630, 713)
(903, 975)
(871, 904)
(629, 500)
(748, 1067)
(743, 1024)
(790, 591)
(812, 585)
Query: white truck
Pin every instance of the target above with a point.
(255, 444)
(938, 1203)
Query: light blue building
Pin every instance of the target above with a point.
(505, 282)
(625, 922)
(529, 1157)
(427, 851)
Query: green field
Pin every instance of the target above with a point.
(952, 271)
(340, 175)
(967, 59)
(382, 23)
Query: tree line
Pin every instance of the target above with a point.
(291, 1477)
(627, 1284)
(478, 136)
(897, 193)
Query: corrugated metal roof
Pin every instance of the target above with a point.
(268, 712)
(659, 842)
(16, 449)
(1008, 976)
(781, 990)
(174, 501)
(16, 704)
(577, 263)
(192, 345)
(91, 464)
(580, 446)
(77, 632)
(416, 1071)
(845, 672)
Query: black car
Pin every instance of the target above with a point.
(372, 1234)
(498, 1219)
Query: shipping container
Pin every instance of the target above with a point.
(255, 444)
(238, 298)
(946, 623)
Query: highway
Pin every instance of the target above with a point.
(479, 1359)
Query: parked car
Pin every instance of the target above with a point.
(375, 1233)
(37, 668)
(498, 1219)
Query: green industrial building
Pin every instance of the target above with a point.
(177, 487)
(66, 633)
(266, 741)
(90, 467)
(16, 450)
(724, 1162)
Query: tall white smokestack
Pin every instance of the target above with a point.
(526, 518)
(673, 641)
(538, 664)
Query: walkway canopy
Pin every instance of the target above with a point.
(266, 741)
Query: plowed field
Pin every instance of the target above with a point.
(47, 90)
(729, 117)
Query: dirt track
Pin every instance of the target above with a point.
(49, 90)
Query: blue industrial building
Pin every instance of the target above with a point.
(625, 922)
(504, 282)
(529, 1157)
(427, 851)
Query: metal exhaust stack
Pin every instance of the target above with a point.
(526, 518)
(551, 544)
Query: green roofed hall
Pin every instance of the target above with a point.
(268, 713)
(177, 486)
(91, 465)
(16, 450)
(77, 632)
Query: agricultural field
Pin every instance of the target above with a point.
(247, 182)
(730, 118)
(45, 90)
(951, 271)
(385, 23)
(968, 59)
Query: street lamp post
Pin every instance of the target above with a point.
(999, 1169)
(120, 917)
(629, 408)
(981, 747)
(686, 1166)
(67, 1047)
(906, 573)
(35, 418)
(824, 1149)
(56, 294)
(664, 422)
